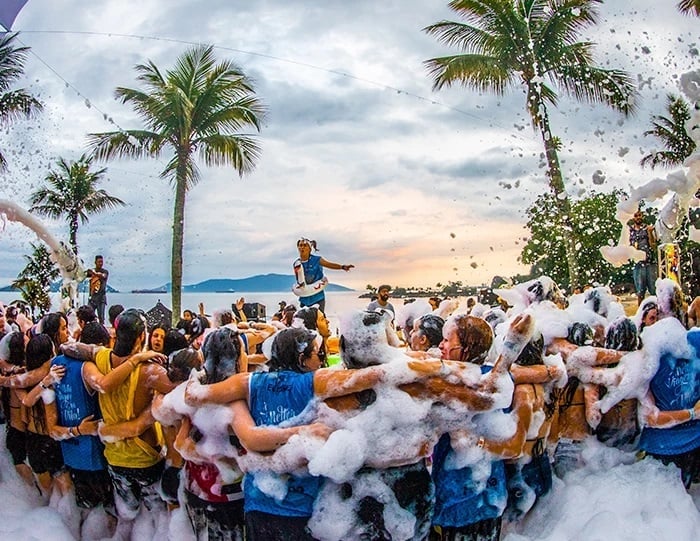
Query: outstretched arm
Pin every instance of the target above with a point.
(105, 383)
(655, 418)
(335, 266)
(233, 388)
(263, 439)
(28, 379)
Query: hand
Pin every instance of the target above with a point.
(317, 430)
(150, 355)
(346, 268)
(696, 409)
(55, 374)
(88, 426)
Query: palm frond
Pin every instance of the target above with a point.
(482, 73)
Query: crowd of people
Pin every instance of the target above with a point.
(438, 422)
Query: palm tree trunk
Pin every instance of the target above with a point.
(73, 226)
(556, 184)
(178, 241)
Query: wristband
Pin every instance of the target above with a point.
(480, 444)
(691, 411)
(77, 429)
(41, 384)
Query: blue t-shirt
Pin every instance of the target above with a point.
(313, 272)
(460, 500)
(675, 386)
(74, 402)
(275, 397)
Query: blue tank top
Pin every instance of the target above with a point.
(675, 386)
(275, 397)
(74, 402)
(313, 272)
(460, 500)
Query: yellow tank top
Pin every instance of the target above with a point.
(118, 406)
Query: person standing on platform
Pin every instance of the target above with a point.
(308, 269)
(643, 237)
(98, 288)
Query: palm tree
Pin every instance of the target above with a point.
(14, 104)
(198, 107)
(34, 280)
(72, 193)
(678, 145)
(529, 44)
(689, 7)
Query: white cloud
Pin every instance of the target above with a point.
(358, 152)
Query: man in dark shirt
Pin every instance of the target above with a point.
(98, 288)
(642, 237)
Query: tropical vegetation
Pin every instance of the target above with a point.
(534, 45)
(72, 193)
(34, 280)
(17, 103)
(672, 133)
(199, 108)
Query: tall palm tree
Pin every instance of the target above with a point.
(531, 44)
(678, 145)
(197, 108)
(689, 7)
(72, 192)
(14, 104)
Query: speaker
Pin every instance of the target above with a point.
(254, 311)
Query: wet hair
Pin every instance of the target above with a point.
(39, 350)
(173, 341)
(113, 312)
(593, 299)
(131, 324)
(622, 335)
(197, 327)
(86, 313)
(357, 351)
(181, 363)
(224, 317)
(11, 312)
(15, 342)
(308, 316)
(290, 348)
(475, 337)
(646, 308)
(384, 287)
(532, 353)
(222, 354)
(431, 327)
(94, 333)
(580, 334)
(51, 324)
(494, 316)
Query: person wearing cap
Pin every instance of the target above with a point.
(643, 237)
(382, 302)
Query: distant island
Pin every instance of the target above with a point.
(260, 283)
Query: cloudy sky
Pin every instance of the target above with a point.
(412, 186)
